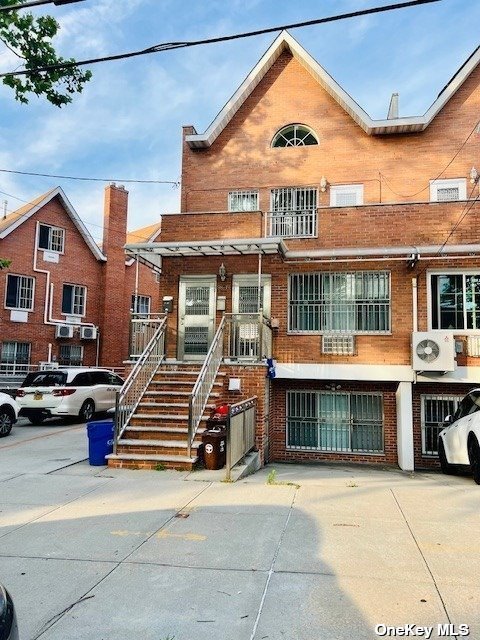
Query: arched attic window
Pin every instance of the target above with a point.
(294, 135)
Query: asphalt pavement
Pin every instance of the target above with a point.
(308, 552)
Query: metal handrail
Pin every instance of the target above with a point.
(203, 386)
(249, 336)
(129, 396)
(142, 328)
(238, 447)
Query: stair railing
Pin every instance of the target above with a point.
(129, 396)
(204, 384)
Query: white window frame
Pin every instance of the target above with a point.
(243, 196)
(451, 183)
(329, 331)
(52, 231)
(430, 302)
(346, 189)
(70, 348)
(74, 295)
(136, 298)
(32, 302)
(300, 131)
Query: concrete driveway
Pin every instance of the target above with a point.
(326, 552)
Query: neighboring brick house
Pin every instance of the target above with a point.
(360, 233)
(66, 299)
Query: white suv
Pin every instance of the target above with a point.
(67, 392)
(458, 443)
(8, 414)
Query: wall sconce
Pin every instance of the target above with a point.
(473, 175)
(333, 387)
(323, 184)
(222, 272)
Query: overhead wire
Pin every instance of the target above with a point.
(174, 183)
(169, 46)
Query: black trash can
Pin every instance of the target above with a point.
(214, 441)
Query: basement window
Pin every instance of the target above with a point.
(326, 421)
(71, 355)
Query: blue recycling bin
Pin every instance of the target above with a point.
(100, 441)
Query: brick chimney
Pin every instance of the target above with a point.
(114, 327)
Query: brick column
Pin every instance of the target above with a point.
(114, 325)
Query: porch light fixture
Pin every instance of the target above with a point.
(323, 184)
(222, 272)
(473, 175)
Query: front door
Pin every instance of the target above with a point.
(245, 335)
(196, 322)
(245, 294)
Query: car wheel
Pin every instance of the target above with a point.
(474, 457)
(87, 411)
(445, 466)
(36, 418)
(6, 421)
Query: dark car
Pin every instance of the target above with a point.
(8, 619)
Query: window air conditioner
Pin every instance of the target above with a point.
(433, 351)
(63, 331)
(88, 333)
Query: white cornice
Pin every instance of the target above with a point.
(285, 42)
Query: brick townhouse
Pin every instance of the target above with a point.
(65, 298)
(358, 242)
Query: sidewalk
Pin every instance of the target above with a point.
(324, 552)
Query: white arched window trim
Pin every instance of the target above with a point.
(295, 135)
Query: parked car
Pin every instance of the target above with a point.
(8, 619)
(8, 414)
(67, 392)
(458, 442)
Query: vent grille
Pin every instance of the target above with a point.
(338, 344)
(473, 346)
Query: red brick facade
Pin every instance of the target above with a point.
(109, 284)
(395, 171)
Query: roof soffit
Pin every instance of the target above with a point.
(285, 42)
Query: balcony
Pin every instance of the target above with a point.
(291, 224)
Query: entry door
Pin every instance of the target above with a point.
(244, 339)
(245, 294)
(196, 317)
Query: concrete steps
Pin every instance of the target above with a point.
(157, 435)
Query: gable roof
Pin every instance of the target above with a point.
(18, 217)
(285, 42)
(145, 234)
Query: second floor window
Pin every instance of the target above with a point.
(51, 238)
(357, 302)
(446, 190)
(455, 300)
(346, 195)
(243, 201)
(73, 299)
(141, 304)
(19, 292)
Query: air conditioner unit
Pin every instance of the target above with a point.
(88, 333)
(433, 351)
(63, 331)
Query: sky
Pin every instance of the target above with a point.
(127, 123)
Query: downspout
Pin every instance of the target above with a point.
(414, 305)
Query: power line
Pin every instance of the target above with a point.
(51, 175)
(36, 3)
(168, 46)
(411, 195)
(87, 224)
